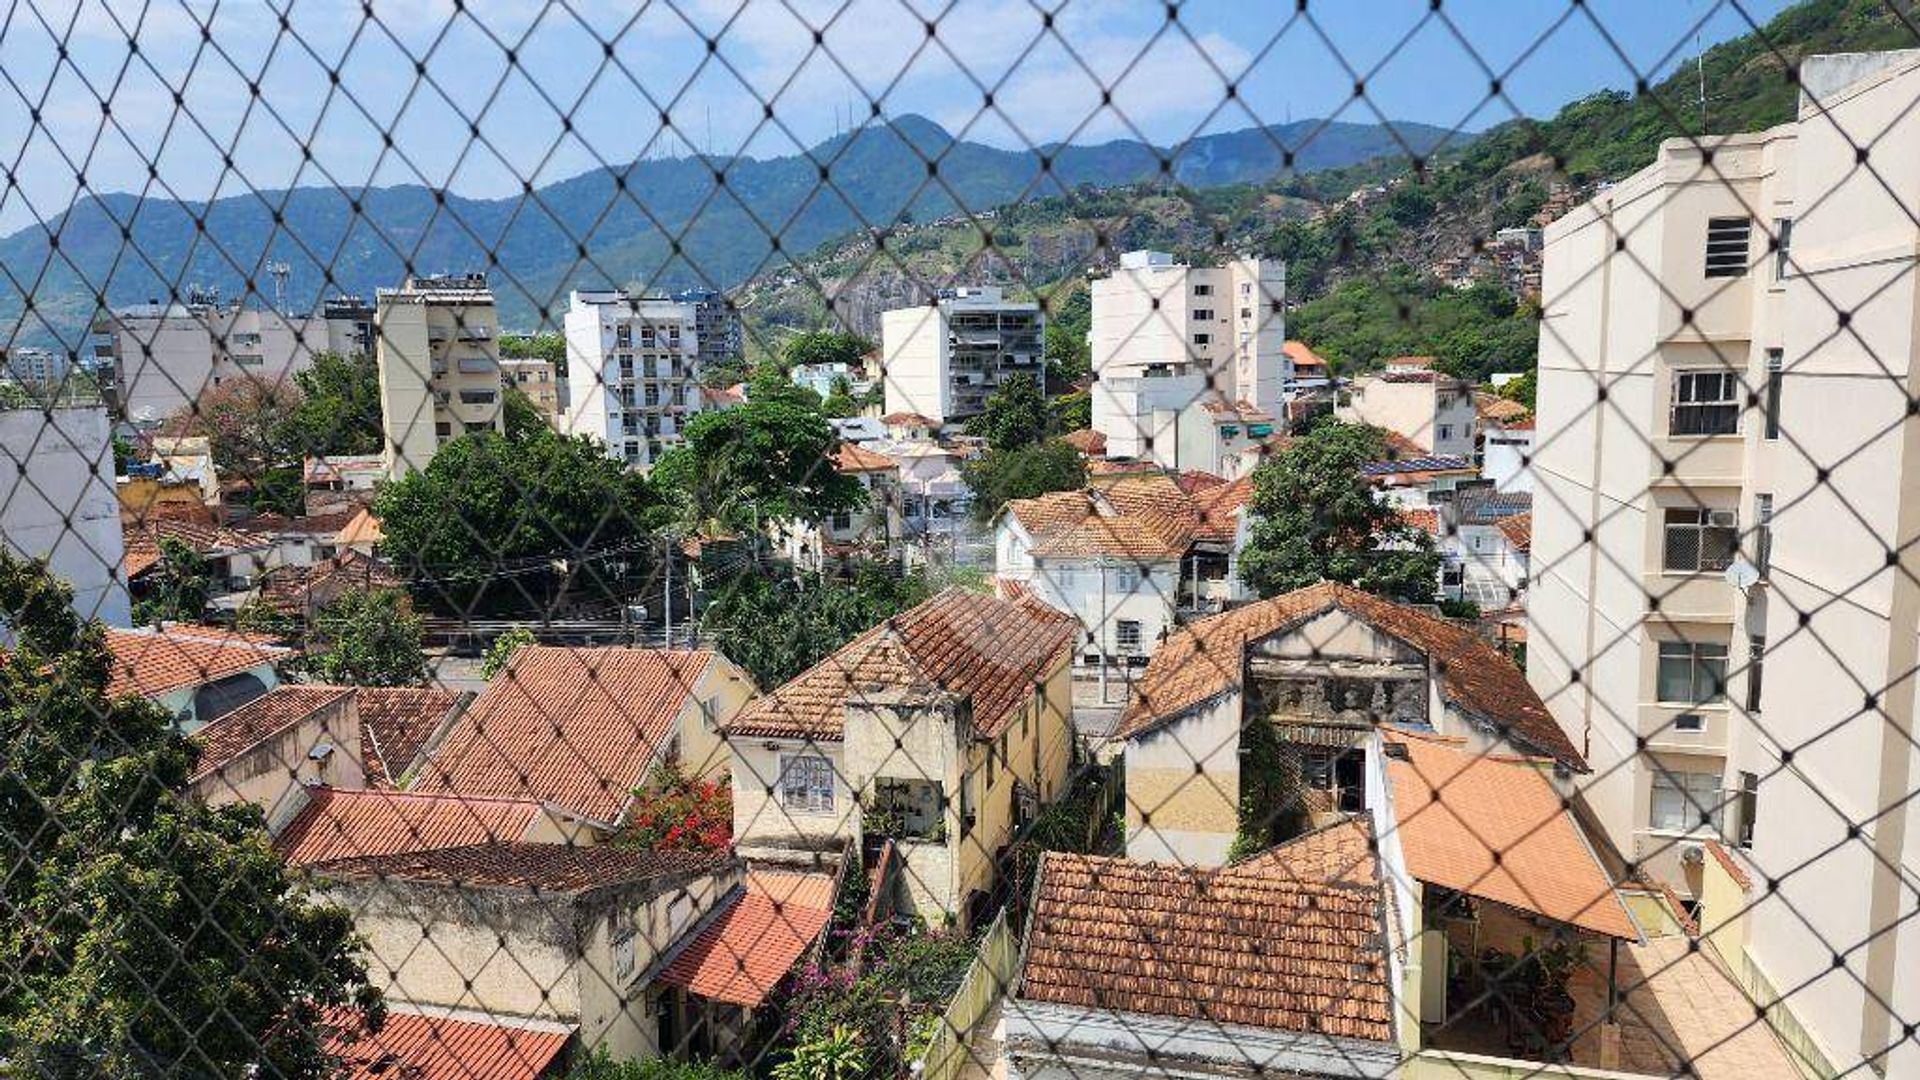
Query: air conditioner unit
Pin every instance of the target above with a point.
(1692, 854)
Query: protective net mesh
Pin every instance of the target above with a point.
(529, 552)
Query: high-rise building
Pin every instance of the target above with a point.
(437, 345)
(1728, 482)
(349, 322)
(57, 502)
(33, 366)
(633, 372)
(165, 355)
(717, 322)
(944, 359)
(1190, 363)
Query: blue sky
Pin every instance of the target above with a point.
(1167, 79)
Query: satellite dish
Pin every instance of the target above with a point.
(1741, 574)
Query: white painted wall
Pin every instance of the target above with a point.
(57, 502)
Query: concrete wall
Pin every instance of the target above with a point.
(57, 502)
(762, 822)
(1073, 586)
(1183, 787)
(270, 774)
(722, 691)
(913, 350)
(612, 396)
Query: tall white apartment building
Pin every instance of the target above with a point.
(633, 372)
(943, 360)
(1728, 483)
(57, 503)
(437, 346)
(165, 355)
(1190, 362)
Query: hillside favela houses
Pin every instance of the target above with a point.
(1743, 503)
(1190, 361)
(943, 359)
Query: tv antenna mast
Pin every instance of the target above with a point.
(279, 272)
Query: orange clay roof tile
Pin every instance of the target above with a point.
(740, 957)
(339, 824)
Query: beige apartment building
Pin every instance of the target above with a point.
(165, 355)
(944, 359)
(438, 350)
(536, 379)
(1726, 463)
(1191, 361)
(633, 372)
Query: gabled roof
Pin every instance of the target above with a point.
(416, 1046)
(909, 419)
(580, 728)
(1518, 529)
(1302, 355)
(993, 651)
(395, 724)
(544, 868)
(763, 931)
(1492, 826)
(851, 458)
(1218, 508)
(142, 539)
(148, 663)
(1294, 939)
(1498, 409)
(299, 589)
(362, 528)
(259, 720)
(337, 824)
(1089, 442)
(1203, 660)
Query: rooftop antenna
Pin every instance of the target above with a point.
(279, 271)
(1700, 72)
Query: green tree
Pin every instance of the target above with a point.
(500, 653)
(178, 588)
(839, 401)
(339, 408)
(1068, 357)
(834, 1056)
(1523, 388)
(766, 461)
(1000, 476)
(257, 616)
(548, 346)
(246, 423)
(489, 513)
(521, 418)
(824, 347)
(1015, 416)
(779, 625)
(1072, 411)
(148, 934)
(1316, 518)
(600, 1065)
(367, 638)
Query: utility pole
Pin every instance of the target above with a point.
(666, 596)
(1100, 631)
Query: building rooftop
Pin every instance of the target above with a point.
(1202, 661)
(580, 728)
(542, 868)
(992, 651)
(1492, 826)
(1294, 939)
(760, 934)
(258, 721)
(416, 1046)
(396, 723)
(148, 662)
(337, 824)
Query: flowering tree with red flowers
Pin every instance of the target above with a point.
(677, 812)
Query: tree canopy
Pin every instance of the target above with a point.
(767, 460)
(367, 638)
(177, 588)
(548, 346)
(1316, 518)
(148, 934)
(779, 625)
(1000, 476)
(1016, 414)
(338, 412)
(824, 347)
(1474, 332)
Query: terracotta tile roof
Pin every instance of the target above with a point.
(1270, 943)
(1101, 469)
(1088, 441)
(909, 419)
(1219, 509)
(993, 651)
(547, 868)
(259, 720)
(849, 458)
(577, 727)
(1132, 537)
(1496, 408)
(1303, 356)
(1456, 808)
(742, 955)
(1203, 660)
(148, 663)
(395, 724)
(142, 537)
(299, 589)
(1426, 519)
(1731, 865)
(337, 824)
(1518, 529)
(362, 528)
(1194, 481)
(1341, 853)
(412, 1046)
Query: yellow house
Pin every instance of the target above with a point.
(945, 728)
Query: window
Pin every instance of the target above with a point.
(806, 783)
(1446, 432)
(842, 520)
(1126, 635)
(1126, 579)
(1762, 531)
(1202, 339)
(1202, 314)
(1704, 403)
(1203, 290)
(1756, 651)
(1749, 806)
(1727, 242)
(1782, 241)
(1682, 799)
(476, 397)
(1776, 362)
(1692, 673)
(1699, 539)
(1691, 722)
